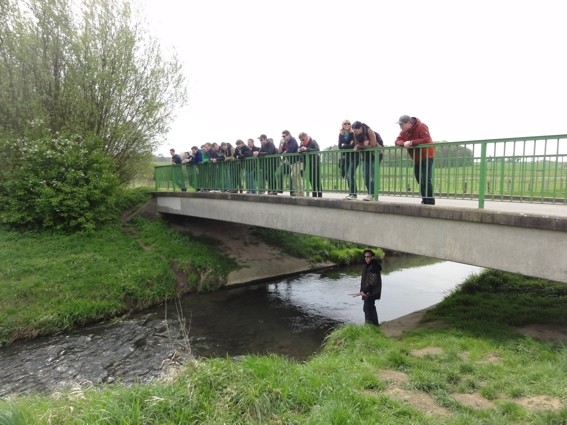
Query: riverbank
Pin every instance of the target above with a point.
(470, 366)
(462, 362)
(259, 261)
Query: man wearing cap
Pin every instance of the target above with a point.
(414, 135)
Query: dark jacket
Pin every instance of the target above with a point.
(371, 281)
(176, 159)
(268, 148)
(216, 155)
(346, 140)
(227, 152)
(291, 146)
(311, 146)
(242, 152)
(374, 141)
(196, 159)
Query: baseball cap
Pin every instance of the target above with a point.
(404, 119)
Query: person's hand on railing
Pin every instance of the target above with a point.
(408, 144)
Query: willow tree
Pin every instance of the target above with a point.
(90, 68)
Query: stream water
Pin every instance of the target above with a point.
(289, 317)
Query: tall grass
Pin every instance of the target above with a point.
(341, 384)
(53, 282)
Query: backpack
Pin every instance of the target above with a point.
(381, 144)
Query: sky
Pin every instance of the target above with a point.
(470, 70)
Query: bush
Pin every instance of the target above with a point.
(60, 183)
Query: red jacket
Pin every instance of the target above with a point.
(418, 134)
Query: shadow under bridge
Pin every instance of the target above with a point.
(528, 244)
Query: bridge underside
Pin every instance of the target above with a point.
(531, 245)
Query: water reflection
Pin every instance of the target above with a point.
(292, 316)
(289, 317)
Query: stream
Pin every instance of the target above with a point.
(289, 317)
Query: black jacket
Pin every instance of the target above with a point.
(242, 152)
(371, 281)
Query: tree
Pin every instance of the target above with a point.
(90, 69)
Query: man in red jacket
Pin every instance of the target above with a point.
(413, 137)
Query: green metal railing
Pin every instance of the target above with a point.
(531, 169)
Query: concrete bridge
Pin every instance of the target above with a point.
(529, 239)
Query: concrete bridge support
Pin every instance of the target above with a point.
(528, 244)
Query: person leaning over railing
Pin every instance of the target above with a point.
(365, 139)
(242, 152)
(348, 162)
(295, 164)
(205, 170)
(308, 145)
(195, 158)
(232, 171)
(415, 133)
(267, 165)
(176, 161)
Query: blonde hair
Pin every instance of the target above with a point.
(342, 130)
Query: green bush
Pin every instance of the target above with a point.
(57, 182)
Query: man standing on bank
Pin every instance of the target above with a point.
(413, 134)
(371, 286)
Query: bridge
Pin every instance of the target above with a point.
(518, 223)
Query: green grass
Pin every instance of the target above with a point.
(54, 282)
(341, 385)
(314, 248)
(504, 298)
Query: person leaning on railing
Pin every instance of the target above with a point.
(267, 166)
(178, 179)
(366, 139)
(308, 144)
(242, 152)
(348, 162)
(415, 133)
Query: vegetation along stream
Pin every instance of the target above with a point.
(289, 317)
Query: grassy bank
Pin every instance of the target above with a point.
(448, 374)
(54, 282)
(315, 248)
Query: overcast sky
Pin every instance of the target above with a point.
(469, 69)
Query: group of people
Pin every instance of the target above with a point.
(356, 140)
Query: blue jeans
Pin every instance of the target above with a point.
(368, 165)
(423, 172)
(352, 160)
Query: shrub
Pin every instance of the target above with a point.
(57, 182)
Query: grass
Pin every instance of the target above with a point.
(505, 298)
(51, 282)
(341, 385)
(314, 248)
(116, 270)
(54, 282)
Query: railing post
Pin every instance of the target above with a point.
(482, 181)
(376, 173)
